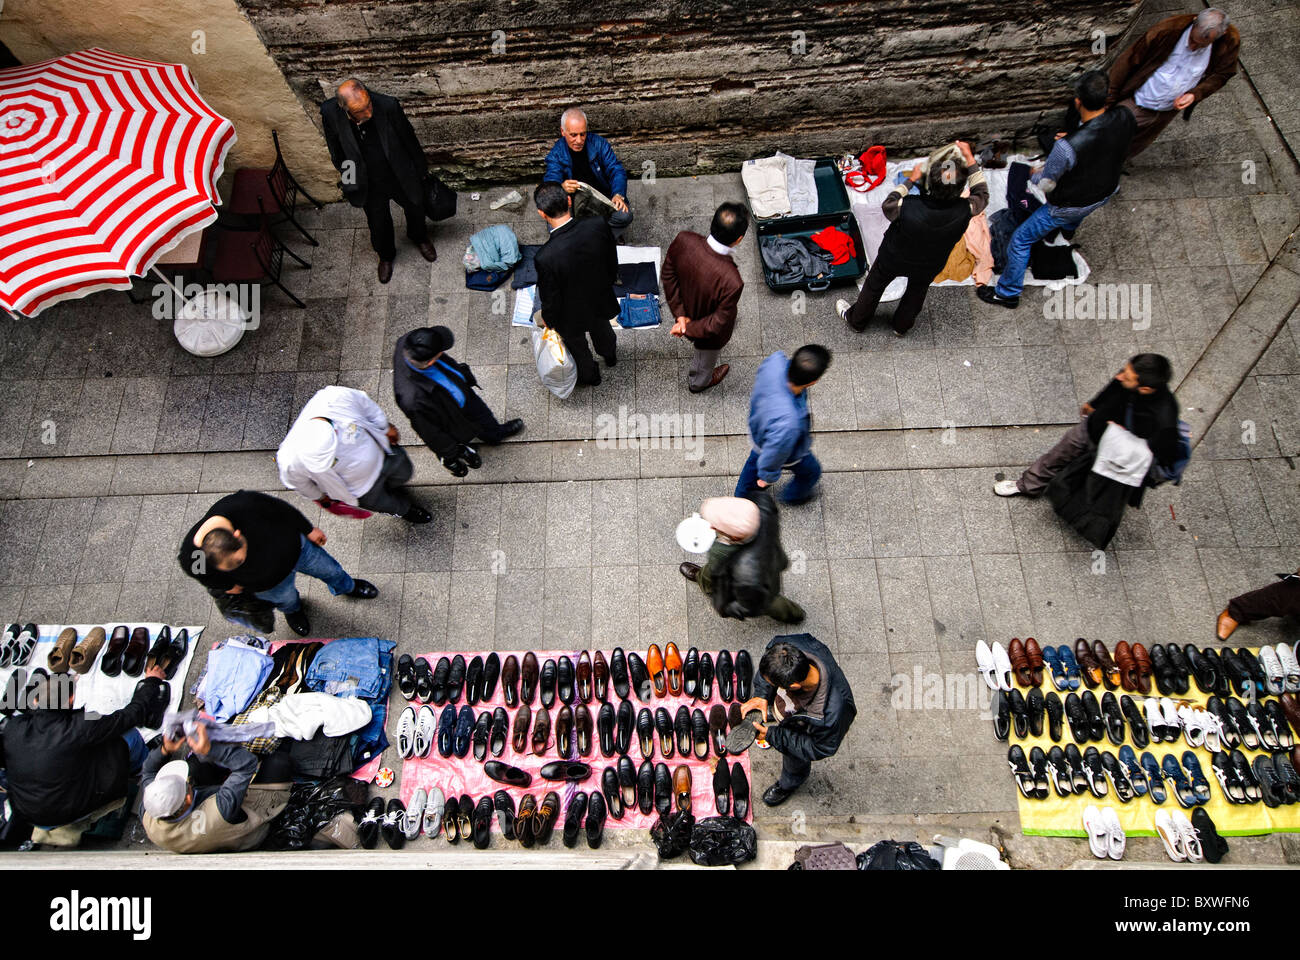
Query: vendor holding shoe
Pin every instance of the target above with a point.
(799, 678)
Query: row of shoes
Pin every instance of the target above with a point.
(1221, 724)
(1070, 772)
(690, 732)
(128, 651)
(665, 673)
(1193, 840)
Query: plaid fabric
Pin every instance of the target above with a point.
(261, 745)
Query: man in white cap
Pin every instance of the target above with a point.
(342, 448)
(182, 817)
(742, 574)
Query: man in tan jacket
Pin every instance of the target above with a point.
(1177, 64)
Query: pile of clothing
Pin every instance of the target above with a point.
(794, 259)
(1052, 260)
(780, 186)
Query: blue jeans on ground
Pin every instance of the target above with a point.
(138, 752)
(1040, 223)
(314, 562)
(806, 474)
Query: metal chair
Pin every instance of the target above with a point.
(239, 259)
(252, 184)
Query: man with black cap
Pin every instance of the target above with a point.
(437, 394)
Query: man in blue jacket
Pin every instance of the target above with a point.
(579, 157)
(780, 427)
(798, 674)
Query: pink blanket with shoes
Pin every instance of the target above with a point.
(456, 776)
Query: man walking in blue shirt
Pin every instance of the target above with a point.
(780, 427)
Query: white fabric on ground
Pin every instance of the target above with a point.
(800, 185)
(764, 181)
(300, 715)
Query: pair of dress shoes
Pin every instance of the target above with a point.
(541, 724)
(586, 812)
(730, 790)
(126, 652)
(167, 651)
(614, 728)
(532, 824)
(619, 785)
(445, 683)
(573, 729)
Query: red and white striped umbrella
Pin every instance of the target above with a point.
(106, 163)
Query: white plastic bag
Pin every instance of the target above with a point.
(555, 365)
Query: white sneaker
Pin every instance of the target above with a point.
(433, 809)
(1274, 677)
(988, 670)
(405, 733)
(842, 308)
(1169, 834)
(1290, 667)
(1191, 839)
(1115, 839)
(1098, 835)
(1002, 664)
(426, 727)
(1006, 488)
(1155, 718)
(1193, 730)
(414, 817)
(1172, 720)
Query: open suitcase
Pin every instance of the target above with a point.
(833, 210)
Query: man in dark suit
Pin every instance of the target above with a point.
(437, 395)
(703, 287)
(379, 159)
(576, 271)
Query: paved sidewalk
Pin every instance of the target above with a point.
(904, 561)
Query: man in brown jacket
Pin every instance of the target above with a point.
(703, 288)
(1177, 64)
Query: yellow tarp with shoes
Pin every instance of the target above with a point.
(1063, 816)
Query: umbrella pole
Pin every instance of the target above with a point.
(180, 294)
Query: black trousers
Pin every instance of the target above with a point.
(1279, 599)
(880, 276)
(379, 217)
(793, 771)
(605, 342)
(490, 429)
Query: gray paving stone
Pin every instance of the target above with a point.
(894, 531)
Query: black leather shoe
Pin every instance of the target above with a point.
(1019, 712)
(640, 677)
(582, 729)
(564, 678)
(566, 770)
(627, 782)
(739, 792)
(159, 695)
(474, 681)
(744, 676)
(464, 730)
(725, 674)
(456, 679)
(500, 731)
(705, 689)
(482, 730)
(609, 787)
(682, 727)
(663, 789)
(722, 789)
(1092, 710)
(179, 647)
(297, 622)
(528, 678)
(1055, 714)
(363, 590)
(664, 725)
(385, 271)
(700, 733)
(1180, 669)
(775, 795)
(691, 672)
(505, 807)
(1080, 728)
(645, 787)
(623, 730)
(1001, 710)
(1162, 670)
(1112, 718)
(691, 571)
(491, 670)
(547, 688)
(595, 819)
(438, 682)
(1203, 669)
(1034, 708)
(161, 649)
(645, 731)
(511, 427)
(618, 673)
(573, 819)
(605, 728)
(482, 823)
(1129, 708)
(417, 515)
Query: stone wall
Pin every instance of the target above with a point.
(689, 85)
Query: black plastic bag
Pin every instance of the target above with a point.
(893, 855)
(439, 199)
(672, 837)
(723, 841)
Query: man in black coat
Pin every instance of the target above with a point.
(816, 706)
(63, 763)
(436, 393)
(576, 272)
(374, 148)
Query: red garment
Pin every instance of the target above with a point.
(839, 243)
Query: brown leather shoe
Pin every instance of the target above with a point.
(427, 251)
(682, 787)
(1225, 625)
(1089, 668)
(519, 734)
(1128, 669)
(1110, 670)
(528, 675)
(541, 731)
(57, 661)
(673, 667)
(1019, 662)
(600, 676)
(564, 731)
(582, 725)
(524, 832)
(1035, 655)
(691, 571)
(385, 271)
(1143, 660)
(584, 677)
(547, 812)
(510, 681)
(1291, 709)
(719, 374)
(84, 654)
(654, 664)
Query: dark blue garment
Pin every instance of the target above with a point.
(446, 377)
(610, 177)
(779, 426)
(351, 667)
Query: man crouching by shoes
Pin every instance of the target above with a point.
(798, 676)
(184, 817)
